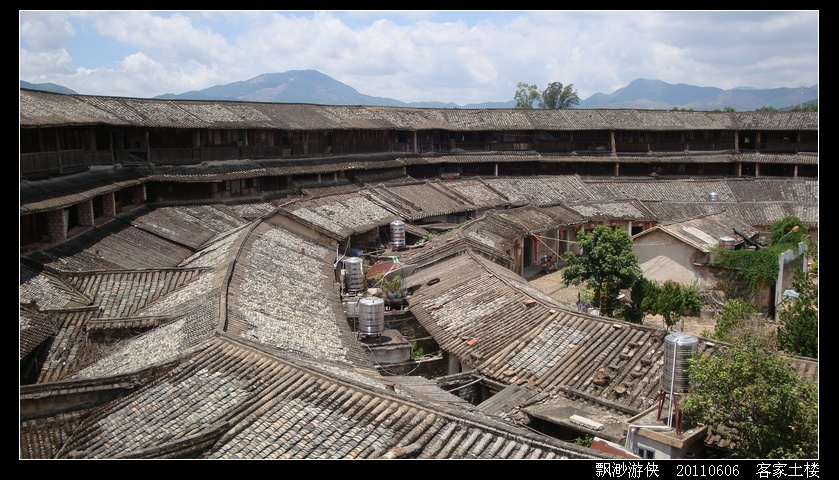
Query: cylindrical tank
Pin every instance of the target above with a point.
(678, 348)
(371, 316)
(727, 243)
(713, 196)
(354, 274)
(397, 234)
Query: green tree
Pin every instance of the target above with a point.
(774, 409)
(673, 300)
(526, 95)
(557, 97)
(788, 231)
(640, 294)
(799, 317)
(607, 265)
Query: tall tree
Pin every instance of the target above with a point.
(557, 97)
(607, 265)
(775, 410)
(526, 95)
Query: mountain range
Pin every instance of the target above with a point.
(314, 87)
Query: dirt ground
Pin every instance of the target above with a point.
(551, 284)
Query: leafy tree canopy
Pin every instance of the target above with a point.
(557, 97)
(607, 265)
(525, 95)
(774, 409)
(672, 300)
(788, 231)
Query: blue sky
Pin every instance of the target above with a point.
(448, 56)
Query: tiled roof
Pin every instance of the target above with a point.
(113, 246)
(49, 109)
(305, 315)
(418, 200)
(611, 210)
(58, 192)
(35, 328)
(477, 192)
(342, 215)
(525, 190)
(504, 330)
(227, 400)
(48, 290)
(704, 232)
(230, 340)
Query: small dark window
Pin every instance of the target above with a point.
(646, 453)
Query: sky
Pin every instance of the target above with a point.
(414, 56)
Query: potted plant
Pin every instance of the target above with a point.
(392, 287)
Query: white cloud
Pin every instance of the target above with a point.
(450, 56)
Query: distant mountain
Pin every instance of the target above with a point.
(305, 86)
(311, 86)
(655, 94)
(47, 87)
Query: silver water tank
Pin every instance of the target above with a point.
(678, 348)
(397, 234)
(371, 316)
(354, 274)
(727, 243)
(713, 196)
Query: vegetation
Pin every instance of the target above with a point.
(584, 441)
(788, 232)
(734, 313)
(736, 323)
(390, 286)
(672, 300)
(555, 96)
(634, 311)
(811, 106)
(799, 317)
(774, 411)
(747, 271)
(526, 95)
(607, 265)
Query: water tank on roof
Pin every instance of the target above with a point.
(678, 348)
(397, 234)
(371, 316)
(713, 196)
(727, 243)
(354, 274)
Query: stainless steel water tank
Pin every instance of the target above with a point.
(678, 348)
(371, 316)
(354, 272)
(397, 234)
(727, 243)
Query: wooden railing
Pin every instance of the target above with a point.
(66, 161)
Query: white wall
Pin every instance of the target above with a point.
(663, 257)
